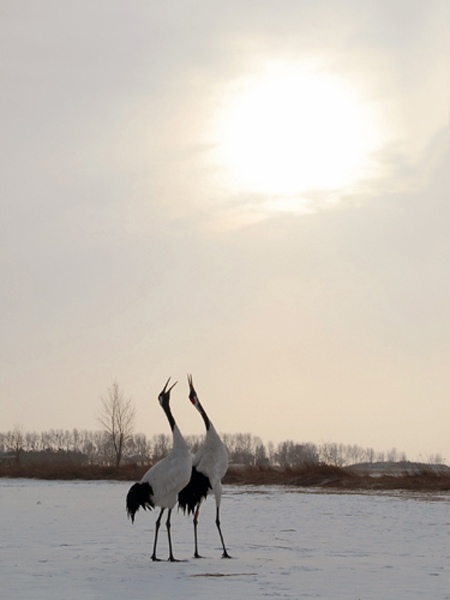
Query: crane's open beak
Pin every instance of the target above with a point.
(171, 387)
(192, 392)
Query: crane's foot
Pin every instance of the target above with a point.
(197, 555)
(226, 555)
(173, 559)
(154, 559)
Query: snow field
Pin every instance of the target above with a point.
(72, 540)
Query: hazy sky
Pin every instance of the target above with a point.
(257, 193)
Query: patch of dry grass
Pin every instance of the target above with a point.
(322, 476)
(328, 476)
(70, 471)
(307, 476)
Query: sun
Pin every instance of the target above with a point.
(288, 133)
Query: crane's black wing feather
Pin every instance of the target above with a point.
(139, 496)
(195, 491)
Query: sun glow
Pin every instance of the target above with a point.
(288, 134)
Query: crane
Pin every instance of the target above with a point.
(209, 465)
(162, 482)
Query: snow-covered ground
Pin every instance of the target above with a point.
(72, 540)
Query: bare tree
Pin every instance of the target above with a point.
(162, 444)
(117, 418)
(14, 441)
(261, 457)
(370, 453)
(392, 455)
(290, 454)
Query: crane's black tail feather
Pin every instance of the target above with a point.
(195, 491)
(139, 496)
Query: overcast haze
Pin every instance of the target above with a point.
(255, 193)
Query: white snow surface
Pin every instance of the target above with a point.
(72, 540)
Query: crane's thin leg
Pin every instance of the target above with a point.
(225, 553)
(168, 525)
(196, 554)
(158, 523)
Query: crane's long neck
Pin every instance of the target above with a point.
(166, 409)
(201, 410)
(180, 446)
(179, 443)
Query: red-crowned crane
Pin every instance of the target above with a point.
(162, 483)
(209, 465)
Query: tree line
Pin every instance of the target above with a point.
(117, 443)
(97, 447)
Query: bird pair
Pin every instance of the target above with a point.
(182, 477)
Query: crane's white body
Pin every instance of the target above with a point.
(171, 474)
(212, 460)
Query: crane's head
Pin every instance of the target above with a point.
(196, 402)
(192, 393)
(164, 396)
